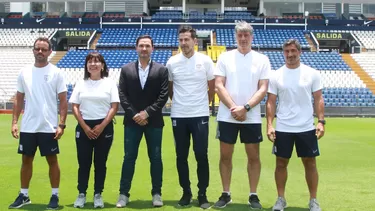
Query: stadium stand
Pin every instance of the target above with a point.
(166, 15)
(22, 37)
(12, 61)
(273, 38)
(342, 86)
(366, 61)
(114, 58)
(366, 38)
(118, 37)
(319, 61)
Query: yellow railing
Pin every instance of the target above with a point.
(214, 51)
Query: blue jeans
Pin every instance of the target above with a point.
(133, 136)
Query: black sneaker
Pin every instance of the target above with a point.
(53, 203)
(203, 202)
(20, 201)
(223, 200)
(186, 199)
(254, 202)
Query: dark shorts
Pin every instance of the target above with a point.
(29, 142)
(249, 133)
(306, 144)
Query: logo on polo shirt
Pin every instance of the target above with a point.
(47, 78)
(198, 66)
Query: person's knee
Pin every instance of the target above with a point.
(201, 156)
(52, 160)
(226, 157)
(27, 160)
(154, 157)
(281, 163)
(253, 159)
(309, 162)
(182, 154)
(130, 156)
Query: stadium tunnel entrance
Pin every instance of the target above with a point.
(337, 41)
(65, 40)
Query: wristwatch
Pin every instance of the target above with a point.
(62, 126)
(247, 107)
(322, 121)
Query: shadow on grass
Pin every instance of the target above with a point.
(38, 207)
(90, 206)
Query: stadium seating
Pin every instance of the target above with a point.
(319, 61)
(166, 15)
(262, 38)
(367, 38)
(238, 15)
(12, 61)
(22, 37)
(114, 58)
(366, 61)
(119, 37)
(342, 87)
(209, 15)
(344, 96)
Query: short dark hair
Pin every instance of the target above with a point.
(190, 29)
(96, 56)
(292, 42)
(144, 37)
(43, 39)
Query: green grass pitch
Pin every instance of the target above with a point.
(346, 169)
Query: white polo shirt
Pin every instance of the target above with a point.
(190, 87)
(95, 97)
(242, 73)
(41, 87)
(294, 88)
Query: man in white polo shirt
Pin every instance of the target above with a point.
(191, 88)
(42, 84)
(295, 85)
(241, 83)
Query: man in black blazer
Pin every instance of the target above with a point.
(143, 93)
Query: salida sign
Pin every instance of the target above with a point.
(76, 34)
(331, 36)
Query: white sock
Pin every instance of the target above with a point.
(253, 194)
(55, 191)
(227, 192)
(25, 192)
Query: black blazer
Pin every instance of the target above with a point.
(152, 98)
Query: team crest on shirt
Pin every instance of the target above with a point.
(47, 78)
(198, 66)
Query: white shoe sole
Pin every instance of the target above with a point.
(98, 206)
(29, 202)
(224, 205)
(280, 210)
(120, 206)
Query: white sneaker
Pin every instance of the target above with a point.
(80, 201)
(280, 204)
(98, 201)
(314, 205)
(157, 201)
(122, 201)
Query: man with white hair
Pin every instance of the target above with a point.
(241, 81)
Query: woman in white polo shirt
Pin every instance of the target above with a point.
(95, 102)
